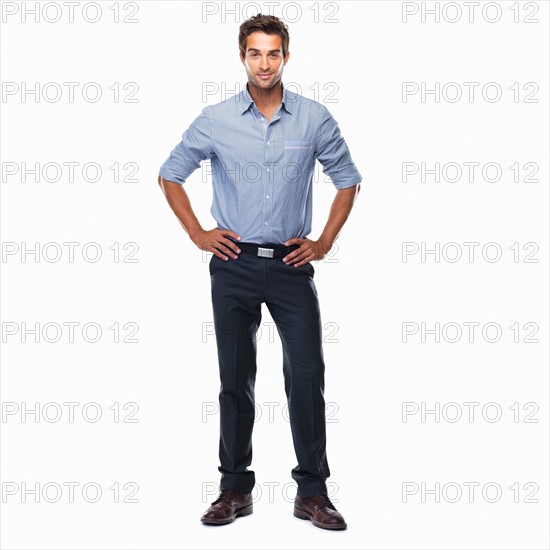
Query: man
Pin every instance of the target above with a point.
(263, 144)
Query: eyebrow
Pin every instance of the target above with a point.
(270, 51)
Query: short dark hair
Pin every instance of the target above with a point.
(268, 24)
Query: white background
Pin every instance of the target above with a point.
(366, 290)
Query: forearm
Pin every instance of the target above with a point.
(181, 205)
(339, 212)
(216, 240)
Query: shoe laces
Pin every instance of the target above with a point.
(324, 500)
(225, 496)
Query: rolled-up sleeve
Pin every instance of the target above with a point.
(195, 146)
(333, 153)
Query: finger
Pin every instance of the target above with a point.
(295, 255)
(228, 233)
(219, 254)
(226, 250)
(208, 245)
(230, 244)
(304, 261)
(294, 241)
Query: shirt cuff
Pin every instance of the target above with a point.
(167, 174)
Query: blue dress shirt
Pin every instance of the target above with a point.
(262, 173)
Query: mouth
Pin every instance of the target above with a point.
(265, 76)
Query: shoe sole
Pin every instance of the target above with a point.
(305, 515)
(246, 511)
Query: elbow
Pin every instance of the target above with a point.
(356, 194)
(162, 186)
(354, 191)
(162, 183)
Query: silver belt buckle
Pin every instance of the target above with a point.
(265, 252)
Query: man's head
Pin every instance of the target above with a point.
(263, 45)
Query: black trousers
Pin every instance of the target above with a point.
(239, 287)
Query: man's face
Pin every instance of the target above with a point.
(263, 60)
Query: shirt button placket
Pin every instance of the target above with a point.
(268, 192)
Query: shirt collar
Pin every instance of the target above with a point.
(245, 100)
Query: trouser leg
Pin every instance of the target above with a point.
(293, 304)
(236, 301)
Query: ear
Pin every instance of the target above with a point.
(286, 58)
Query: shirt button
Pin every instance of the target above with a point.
(268, 169)
(269, 142)
(267, 196)
(265, 223)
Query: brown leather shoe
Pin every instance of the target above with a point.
(228, 506)
(320, 510)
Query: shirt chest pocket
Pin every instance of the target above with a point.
(298, 157)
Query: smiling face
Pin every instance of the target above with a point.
(263, 59)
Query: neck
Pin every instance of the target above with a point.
(270, 97)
